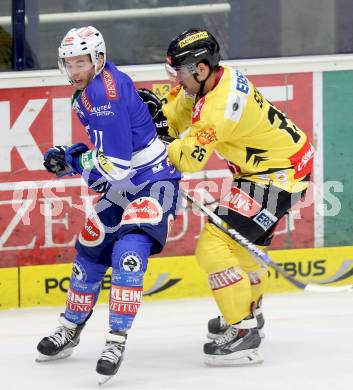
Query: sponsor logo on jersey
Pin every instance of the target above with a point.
(109, 85)
(196, 111)
(265, 219)
(79, 302)
(242, 83)
(206, 136)
(240, 202)
(103, 110)
(104, 162)
(86, 160)
(92, 233)
(224, 278)
(142, 210)
(193, 38)
(302, 161)
(85, 101)
(131, 261)
(125, 300)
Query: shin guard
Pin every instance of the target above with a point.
(130, 257)
(84, 289)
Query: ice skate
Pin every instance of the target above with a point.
(61, 343)
(237, 346)
(217, 326)
(111, 356)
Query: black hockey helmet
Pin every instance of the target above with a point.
(192, 47)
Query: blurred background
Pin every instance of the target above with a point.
(138, 31)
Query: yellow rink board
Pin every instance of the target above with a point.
(178, 277)
(166, 278)
(9, 288)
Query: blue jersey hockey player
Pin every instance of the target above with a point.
(128, 164)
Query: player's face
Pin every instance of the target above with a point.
(80, 69)
(184, 77)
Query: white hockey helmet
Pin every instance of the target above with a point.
(81, 41)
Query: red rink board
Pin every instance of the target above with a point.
(39, 226)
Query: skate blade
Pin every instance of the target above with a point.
(240, 358)
(102, 379)
(61, 355)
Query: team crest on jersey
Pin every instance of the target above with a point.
(206, 136)
(142, 210)
(92, 233)
(196, 111)
(240, 202)
(109, 85)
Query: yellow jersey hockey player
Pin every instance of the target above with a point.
(217, 109)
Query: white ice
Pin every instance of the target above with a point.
(308, 345)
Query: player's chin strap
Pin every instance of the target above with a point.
(203, 82)
(260, 255)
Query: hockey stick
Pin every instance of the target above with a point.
(216, 220)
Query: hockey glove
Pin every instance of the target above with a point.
(154, 105)
(63, 160)
(73, 154)
(55, 162)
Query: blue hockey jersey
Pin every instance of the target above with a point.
(126, 147)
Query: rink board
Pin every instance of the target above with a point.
(9, 288)
(173, 277)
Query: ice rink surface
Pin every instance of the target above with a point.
(308, 345)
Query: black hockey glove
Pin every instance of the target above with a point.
(55, 162)
(155, 108)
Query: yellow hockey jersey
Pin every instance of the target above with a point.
(257, 140)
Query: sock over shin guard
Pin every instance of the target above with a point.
(130, 257)
(84, 289)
